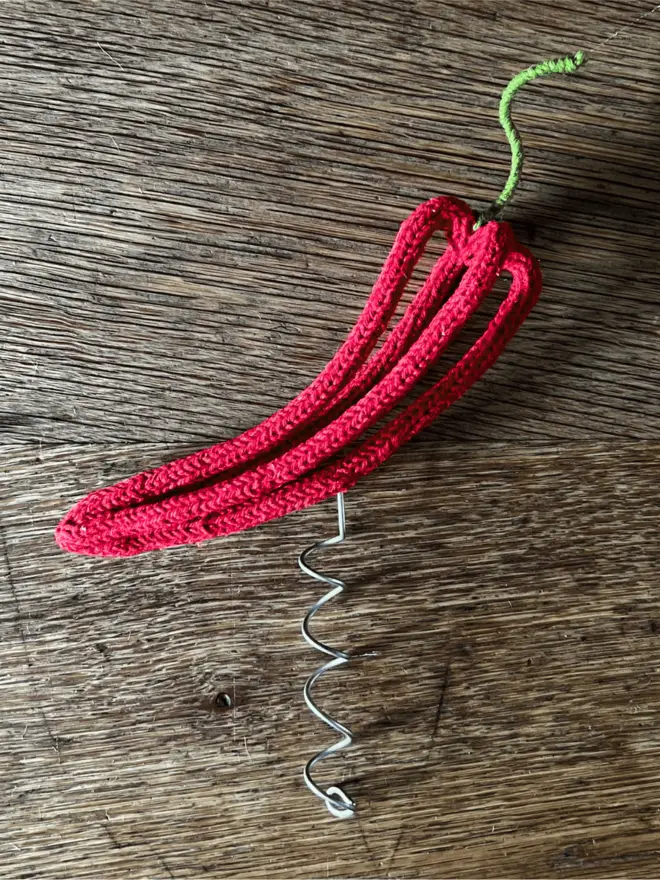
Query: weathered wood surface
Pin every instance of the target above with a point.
(196, 198)
(508, 726)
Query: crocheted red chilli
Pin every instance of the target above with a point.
(316, 446)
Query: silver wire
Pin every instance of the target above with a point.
(335, 798)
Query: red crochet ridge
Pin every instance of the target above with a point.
(314, 446)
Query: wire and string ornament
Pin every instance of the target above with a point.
(341, 427)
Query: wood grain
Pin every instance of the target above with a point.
(507, 726)
(196, 198)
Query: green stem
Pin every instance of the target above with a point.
(560, 65)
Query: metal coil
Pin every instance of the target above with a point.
(335, 798)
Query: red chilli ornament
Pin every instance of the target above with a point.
(315, 447)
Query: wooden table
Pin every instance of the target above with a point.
(196, 197)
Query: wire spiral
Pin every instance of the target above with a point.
(335, 798)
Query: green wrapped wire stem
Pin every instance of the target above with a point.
(559, 65)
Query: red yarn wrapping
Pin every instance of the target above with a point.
(315, 447)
